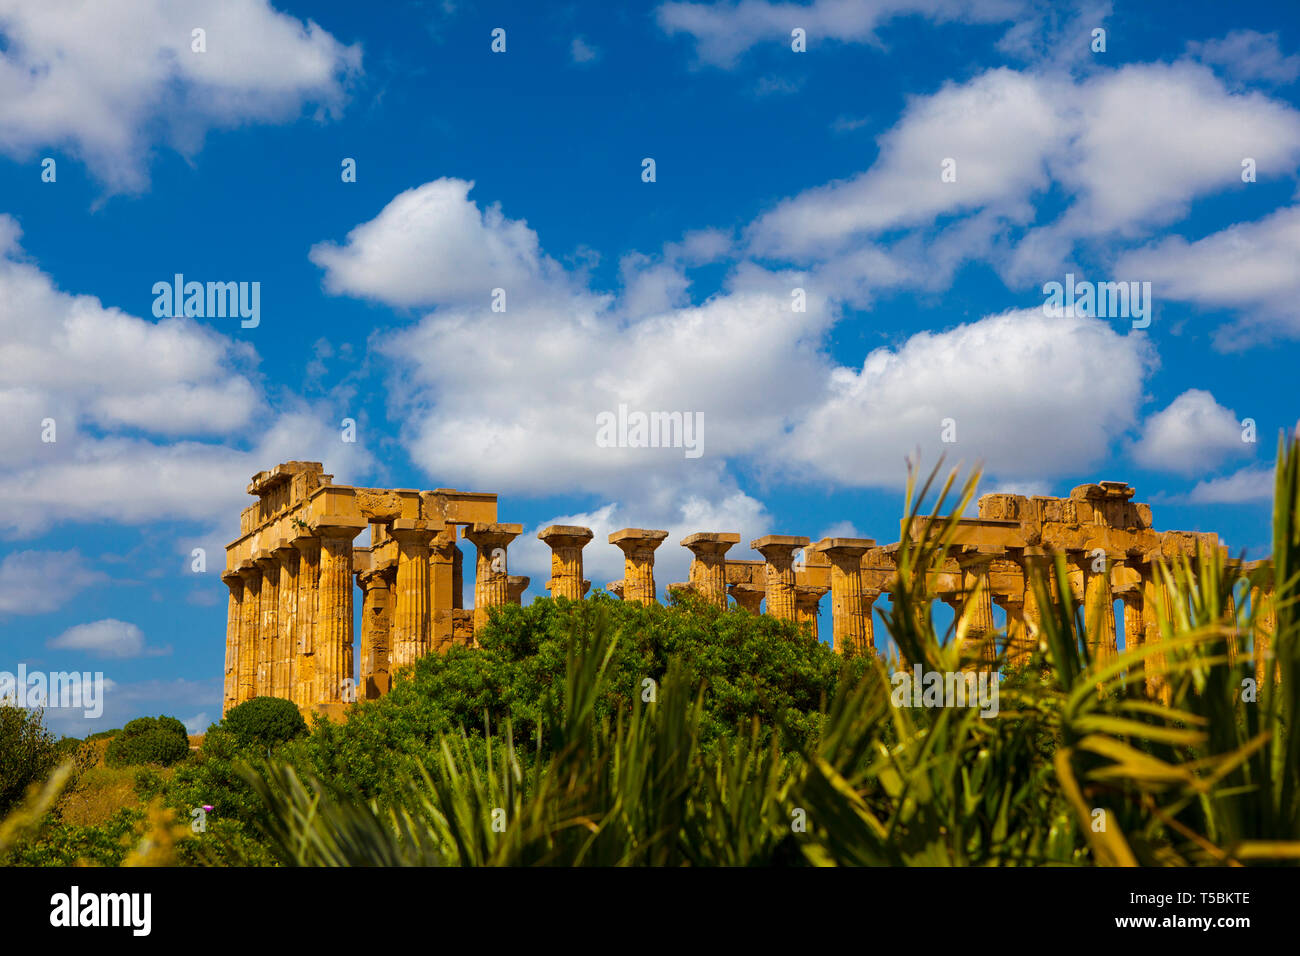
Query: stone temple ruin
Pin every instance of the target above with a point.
(291, 576)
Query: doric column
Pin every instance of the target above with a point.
(778, 551)
(566, 543)
(250, 625)
(516, 585)
(1034, 564)
(976, 587)
(807, 602)
(444, 588)
(1075, 563)
(304, 670)
(1261, 607)
(376, 626)
(282, 676)
(615, 588)
(457, 574)
(1099, 611)
(491, 574)
(1019, 644)
(234, 610)
(334, 683)
(411, 634)
(1134, 629)
(1156, 604)
(269, 632)
(850, 614)
(709, 566)
(638, 547)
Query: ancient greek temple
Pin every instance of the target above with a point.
(294, 571)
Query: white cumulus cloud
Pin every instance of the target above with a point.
(110, 81)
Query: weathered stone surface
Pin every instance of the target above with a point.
(376, 627)
(412, 615)
(491, 586)
(778, 550)
(638, 546)
(566, 543)
(850, 609)
(709, 567)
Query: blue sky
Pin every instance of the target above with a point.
(775, 170)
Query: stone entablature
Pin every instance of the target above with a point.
(294, 571)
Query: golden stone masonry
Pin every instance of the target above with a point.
(291, 574)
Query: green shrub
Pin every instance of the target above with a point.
(264, 721)
(28, 752)
(751, 667)
(145, 740)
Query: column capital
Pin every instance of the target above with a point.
(232, 579)
(266, 559)
(811, 592)
(374, 578)
(771, 545)
(565, 535)
(616, 588)
(631, 539)
(412, 532)
(338, 526)
(491, 534)
(748, 596)
(844, 549)
(710, 542)
(976, 559)
(516, 585)
(444, 543)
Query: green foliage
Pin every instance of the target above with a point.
(749, 666)
(58, 844)
(753, 745)
(149, 740)
(631, 787)
(264, 721)
(1081, 766)
(28, 752)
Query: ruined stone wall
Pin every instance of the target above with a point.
(296, 569)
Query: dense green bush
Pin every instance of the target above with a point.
(751, 667)
(28, 752)
(156, 740)
(61, 844)
(265, 720)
